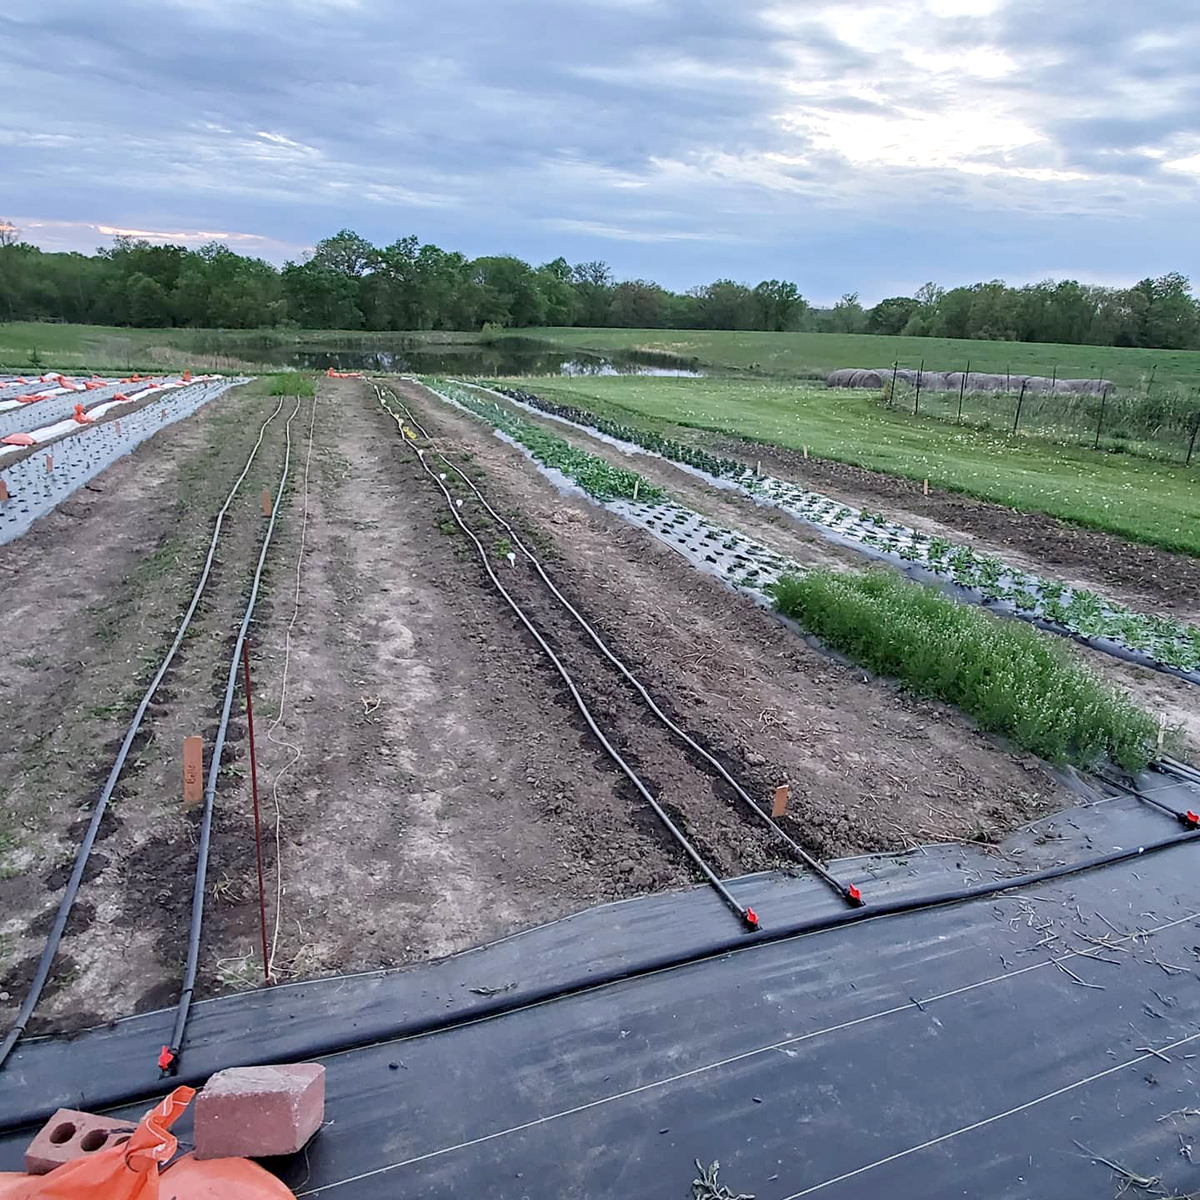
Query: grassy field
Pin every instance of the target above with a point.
(813, 354)
(1143, 500)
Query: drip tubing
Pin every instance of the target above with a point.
(746, 915)
(169, 1058)
(85, 846)
(848, 892)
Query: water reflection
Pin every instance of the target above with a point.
(510, 357)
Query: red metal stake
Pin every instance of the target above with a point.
(262, 894)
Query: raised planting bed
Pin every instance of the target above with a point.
(957, 568)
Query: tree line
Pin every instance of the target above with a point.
(348, 283)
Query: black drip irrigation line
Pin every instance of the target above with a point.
(1188, 819)
(42, 974)
(746, 915)
(582, 984)
(848, 892)
(168, 1059)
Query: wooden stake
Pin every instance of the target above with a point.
(805, 451)
(193, 771)
(779, 804)
(3, 491)
(635, 488)
(118, 428)
(266, 503)
(49, 462)
(926, 487)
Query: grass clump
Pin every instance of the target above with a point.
(293, 383)
(1010, 677)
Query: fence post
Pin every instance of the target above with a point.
(962, 387)
(917, 398)
(892, 397)
(1020, 398)
(1103, 401)
(1150, 381)
(1195, 430)
(1054, 378)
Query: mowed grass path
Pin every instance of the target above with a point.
(1146, 501)
(808, 354)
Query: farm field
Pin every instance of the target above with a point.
(427, 781)
(808, 355)
(1135, 498)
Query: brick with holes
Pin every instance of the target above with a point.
(259, 1112)
(69, 1135)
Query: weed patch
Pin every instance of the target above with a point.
(1011, 678)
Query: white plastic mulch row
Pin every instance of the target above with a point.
(56, 403)
(35, 487)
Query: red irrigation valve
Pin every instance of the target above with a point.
(1189, 820)
(853, 896)
(751, 918)
(166, 1061)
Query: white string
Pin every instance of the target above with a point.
(295, 753)
(780, 1045)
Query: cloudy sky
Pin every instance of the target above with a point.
(840, 143)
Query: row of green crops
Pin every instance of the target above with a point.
(1011, 678)
(1074, 610)
(595, 475)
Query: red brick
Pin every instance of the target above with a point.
(256, 1112)
(69, 1135)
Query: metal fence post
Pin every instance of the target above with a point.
(1103, 401)
(962, 387)
(1150, 381)
(917, 398)
(892, 397)
(1020, 399)
(1195, 430)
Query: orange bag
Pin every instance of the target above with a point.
(131, 1171)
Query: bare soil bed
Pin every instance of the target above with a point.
(93, 594)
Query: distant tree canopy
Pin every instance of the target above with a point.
(348, 283)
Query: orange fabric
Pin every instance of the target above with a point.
(132, 1171)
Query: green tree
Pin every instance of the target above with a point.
(892, 315)
(779, 305)
(149, 303)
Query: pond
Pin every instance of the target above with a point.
(508, 356)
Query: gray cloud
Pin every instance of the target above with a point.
(842, 144)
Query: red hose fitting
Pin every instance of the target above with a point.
(166, 1061)
(1189, 820)
(751, 918)
(853, 896)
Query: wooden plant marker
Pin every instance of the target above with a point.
(926, 487)
(118, 428)
(266, 503)
(49, 463)
(805, 451)
(193, 771)
(779, 804)
(3, 491)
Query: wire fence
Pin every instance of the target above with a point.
(1152, 420)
